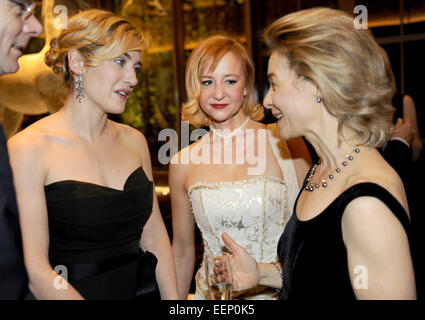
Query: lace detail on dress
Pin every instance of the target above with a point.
(253, 211)
(238, 207)
(216, 185)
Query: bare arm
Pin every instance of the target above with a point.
(378, 251)
(155, 239)
(29, 176)
(183, 228)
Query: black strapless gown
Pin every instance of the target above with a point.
(313, 254)
(95, 232)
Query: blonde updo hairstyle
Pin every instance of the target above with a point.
(346, 64)
(98, 35)
(208, 54)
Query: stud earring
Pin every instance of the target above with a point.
(319, 99)
(79, 87)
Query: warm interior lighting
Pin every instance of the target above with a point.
(188, 46)
(162, 190)
(394, 20)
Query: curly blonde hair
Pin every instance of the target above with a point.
(350, 69)
(208, 54)
(98, 35)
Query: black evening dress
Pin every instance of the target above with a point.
(94, 235)
(313, 254)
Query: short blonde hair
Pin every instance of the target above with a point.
(351, 70)
(98, 35)
(209, 53)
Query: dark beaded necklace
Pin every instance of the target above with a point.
(311, 186)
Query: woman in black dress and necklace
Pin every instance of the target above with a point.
(88, 209)
(348, 237)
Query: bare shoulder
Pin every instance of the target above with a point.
(132, 139)
(368, 210)
(183, 157)
(180, 162)
(28, 154)
(372, 167)
(31, 141)
(39, 133)
(369, 223)
(183, 162)
(371, 210)
(129, 133)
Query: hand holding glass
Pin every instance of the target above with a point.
(218, 274)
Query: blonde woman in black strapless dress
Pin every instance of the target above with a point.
(84, 186)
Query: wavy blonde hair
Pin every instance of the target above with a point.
(350, 69)
(208, 54)
(98, 35)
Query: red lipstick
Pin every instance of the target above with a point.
(219, 105)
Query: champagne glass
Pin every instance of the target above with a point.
(221, 285)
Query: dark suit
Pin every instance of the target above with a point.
(13, 277)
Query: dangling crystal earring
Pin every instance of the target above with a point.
(79, 87)
(319, 99)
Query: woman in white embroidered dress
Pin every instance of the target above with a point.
(238, 178)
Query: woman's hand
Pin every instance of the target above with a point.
(404, 129)
(246, 273)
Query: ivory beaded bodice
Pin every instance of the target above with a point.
(253, 212)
